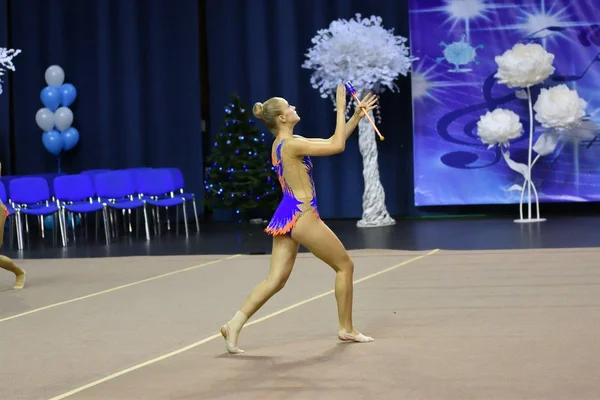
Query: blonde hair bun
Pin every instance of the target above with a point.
(258, 110)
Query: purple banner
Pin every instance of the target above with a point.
(453, 85)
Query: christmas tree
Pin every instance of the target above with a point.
(239, 174)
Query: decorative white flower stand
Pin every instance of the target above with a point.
(528, 179)
(529, 220)
(375, 213)
(377, 61)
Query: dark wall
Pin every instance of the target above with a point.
(136, 67)
(4, 98)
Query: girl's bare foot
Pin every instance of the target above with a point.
(354, 336)
(20, 280)
(230, 345)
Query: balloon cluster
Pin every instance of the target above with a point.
(56, 118)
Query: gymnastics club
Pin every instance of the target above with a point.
(352, 91)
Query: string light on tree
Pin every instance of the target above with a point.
(239, 175)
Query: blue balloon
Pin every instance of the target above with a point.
(50, 97)
(53, 142)
(68, 94)
(49, 222)
(71, 138)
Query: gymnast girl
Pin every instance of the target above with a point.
(5, 262)
(296, 221)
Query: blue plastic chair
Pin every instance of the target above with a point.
(6, 180)
(92, 174)
(154, 212)
(117, 190)
(76, 194)
(155, 187)
(179, 184)
(49, 177)
(31, 196)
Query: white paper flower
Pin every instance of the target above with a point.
(359, 50)
(6, 56)
(499, 127)
(559, 108)
(524, 65)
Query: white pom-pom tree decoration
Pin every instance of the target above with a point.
(6, 56)
(557, 109)
(361, 50)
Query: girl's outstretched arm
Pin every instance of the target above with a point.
(299, 146)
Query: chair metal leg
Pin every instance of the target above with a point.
(115, 222)
(146, 222)
(196, 214)
(112, 222)
(185, 221)
(64, 231)
(42, 227)
(153, 215)
(55, 230)
(106, 224)
(63, 218)
(158, 219)
(55, 226)
(73, 215)
(168, 219)
(177, 220)
(19, 222)
(62, 225)
(124, 216)
(129, 221)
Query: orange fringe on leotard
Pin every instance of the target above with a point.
(285, 229)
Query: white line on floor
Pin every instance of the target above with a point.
(61, 303)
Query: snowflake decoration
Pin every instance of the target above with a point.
(459, 53)
(6, 56)
(359, 50)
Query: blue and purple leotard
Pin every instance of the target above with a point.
(299, 196)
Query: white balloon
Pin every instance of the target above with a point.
(45, 119)
(55, 76)
(63, 118)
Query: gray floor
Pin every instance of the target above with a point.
(505, 324)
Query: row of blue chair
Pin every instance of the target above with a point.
(95, 191)
(49, 177)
